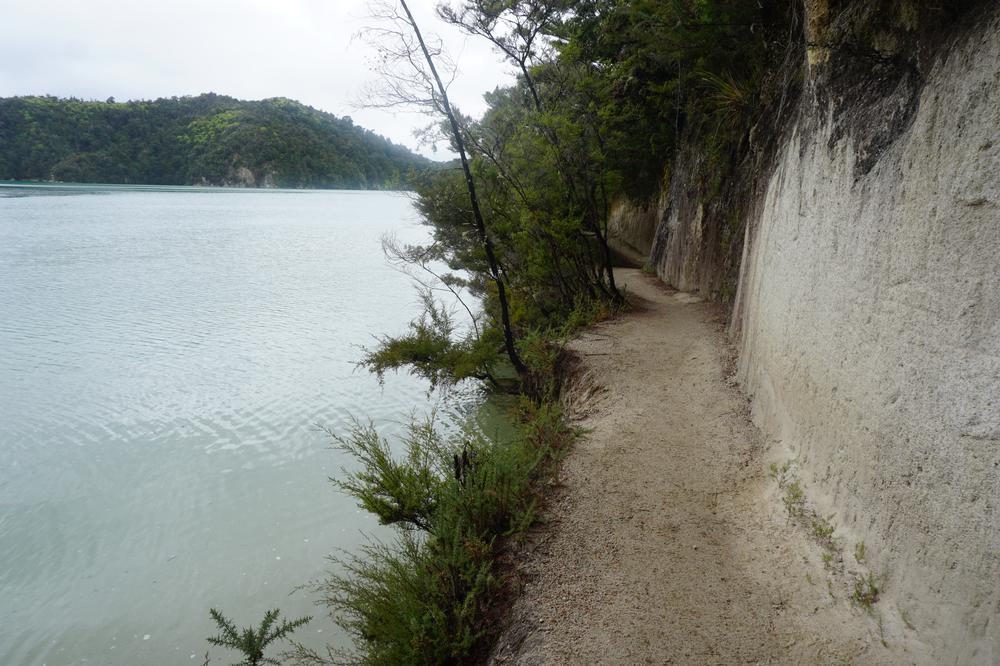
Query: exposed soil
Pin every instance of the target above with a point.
(666, 541)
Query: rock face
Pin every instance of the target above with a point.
(694, 248)
(240, 177)
(631, 227)
(869, 319)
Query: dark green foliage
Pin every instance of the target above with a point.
(250, 641)
(667, 66)
(602, 105)
(399, 492)
(207, 139)
(432, 350)
(425, 598)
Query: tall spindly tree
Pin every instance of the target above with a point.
(410, 77)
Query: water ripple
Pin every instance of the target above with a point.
(167, 357)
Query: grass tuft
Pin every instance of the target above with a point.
(866, 591)
(822, 529)
(794, 499)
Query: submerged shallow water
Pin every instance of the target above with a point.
(167, 356)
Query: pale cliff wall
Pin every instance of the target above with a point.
(869, 324)
(631, 227)
(867, 313)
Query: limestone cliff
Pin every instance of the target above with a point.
(243, 176)
(869, 320)
(867, 310)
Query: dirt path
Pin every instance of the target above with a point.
(667, 542)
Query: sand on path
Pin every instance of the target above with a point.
(666, 541)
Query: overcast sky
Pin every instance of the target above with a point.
(250, 49)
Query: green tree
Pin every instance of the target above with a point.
(411, 77)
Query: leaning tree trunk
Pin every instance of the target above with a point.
(484, 238)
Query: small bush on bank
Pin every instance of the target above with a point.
(423, 598)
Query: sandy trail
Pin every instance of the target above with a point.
(666, 542)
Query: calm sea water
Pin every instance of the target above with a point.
(165, 357)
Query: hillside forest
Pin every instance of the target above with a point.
(205, 140)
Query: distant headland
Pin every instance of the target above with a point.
(204, 140)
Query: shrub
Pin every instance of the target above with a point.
(422, 598)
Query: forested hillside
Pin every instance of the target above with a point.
(208, 139)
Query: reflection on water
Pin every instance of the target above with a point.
(167, 355)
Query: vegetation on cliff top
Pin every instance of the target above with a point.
(208, 139)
